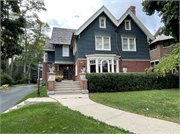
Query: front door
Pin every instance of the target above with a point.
(67, 71)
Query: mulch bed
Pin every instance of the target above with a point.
(5, 90)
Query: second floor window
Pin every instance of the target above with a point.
(102, 22)
(65, 50)
(128, 44)
(127, 24)
(103, 43)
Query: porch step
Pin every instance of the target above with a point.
(70, 87)
(68, 92)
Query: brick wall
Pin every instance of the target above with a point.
(50, 85)
(136, 66)
(79, 64)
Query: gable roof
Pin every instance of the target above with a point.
(48, 46)
(161, 38)
(115, 21)
(61, 36)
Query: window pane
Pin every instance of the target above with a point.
(125, 44)
(115, 68)
(102, 22)
(99, 42)
(106, 43)
(92, 68)
(127, 25)
(104, 66)
(171, 42)
(131, 44)
(66, 50)
(166, 44)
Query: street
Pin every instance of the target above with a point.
(8, 99)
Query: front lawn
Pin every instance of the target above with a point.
(43, 93)
(52, 118)
(161, 104)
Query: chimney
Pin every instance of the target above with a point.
(132, 8)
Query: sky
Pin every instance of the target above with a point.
(73, 13)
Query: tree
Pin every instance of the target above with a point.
(169, 10)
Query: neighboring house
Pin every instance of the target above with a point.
(158, 47)
(102, 44)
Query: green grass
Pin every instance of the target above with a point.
(161, 104)
(13, 86)
(52, 118)
(43, 93)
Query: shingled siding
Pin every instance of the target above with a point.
(51, 56)
(142, 47)
(86, 42)
(59, 56)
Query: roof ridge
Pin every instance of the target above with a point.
(64, 28)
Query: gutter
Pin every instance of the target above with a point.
(118, 50)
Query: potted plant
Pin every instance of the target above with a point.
(83, 69)
(125, 69)
(59, 78)
(51, 69)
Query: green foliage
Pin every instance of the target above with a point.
(6, 79)
(168, 62)
(43, 83)
(4, 86)
(130, 82)
(169, 10)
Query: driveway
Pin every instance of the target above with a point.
(8, 99)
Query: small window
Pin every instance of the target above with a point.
(127, 24)
(66, 50)
(103, 43)
(102, 22)
(166, 44)
(128, 44)
(153, 47)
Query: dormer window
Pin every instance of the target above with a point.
(127, 24)
(102, 22)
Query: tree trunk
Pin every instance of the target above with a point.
(7, 65)
(12, 62)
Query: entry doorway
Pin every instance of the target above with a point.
(66, 71)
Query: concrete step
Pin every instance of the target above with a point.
(68, 92)
(66, 86)
(73, 89)
(67, 83)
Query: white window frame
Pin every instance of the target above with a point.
(129, 43)
(75, 69)
(129, 24)
(102, 41)
(63, 51)
(104, 19)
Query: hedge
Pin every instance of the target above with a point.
(114, 82)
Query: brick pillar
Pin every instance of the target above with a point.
(44, 71)
(50, 83)
(83, 82)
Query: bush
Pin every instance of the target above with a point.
(6, 79)
(43, 83)
(130, 82)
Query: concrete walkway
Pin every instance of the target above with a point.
(128, 121)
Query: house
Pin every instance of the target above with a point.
(158, 47)
(103, 44)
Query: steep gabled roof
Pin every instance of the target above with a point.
(61, 36)
(48, 46)
(115, 21)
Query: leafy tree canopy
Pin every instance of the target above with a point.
(169, 11)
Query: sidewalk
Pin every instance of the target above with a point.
(128, 121)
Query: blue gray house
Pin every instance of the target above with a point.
(103, 44)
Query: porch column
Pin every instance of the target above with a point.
(117, 66)
(88, 69)
(97, 71)
(108, 66)
(112, 61)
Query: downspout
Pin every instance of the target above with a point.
(118, 50)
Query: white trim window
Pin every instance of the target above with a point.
(45, 56)
(103, 43)
(127, 24)
(102, 22)
(128, 44)
(65, 50)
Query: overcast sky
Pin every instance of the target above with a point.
(73, 13)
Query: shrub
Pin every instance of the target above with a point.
(4, 86)
(130, 82)
(43, 83)
(6, 79)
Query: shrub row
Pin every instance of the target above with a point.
(6, 79)
(130, 82)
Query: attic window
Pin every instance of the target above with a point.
(127, 24)
(102, 22)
